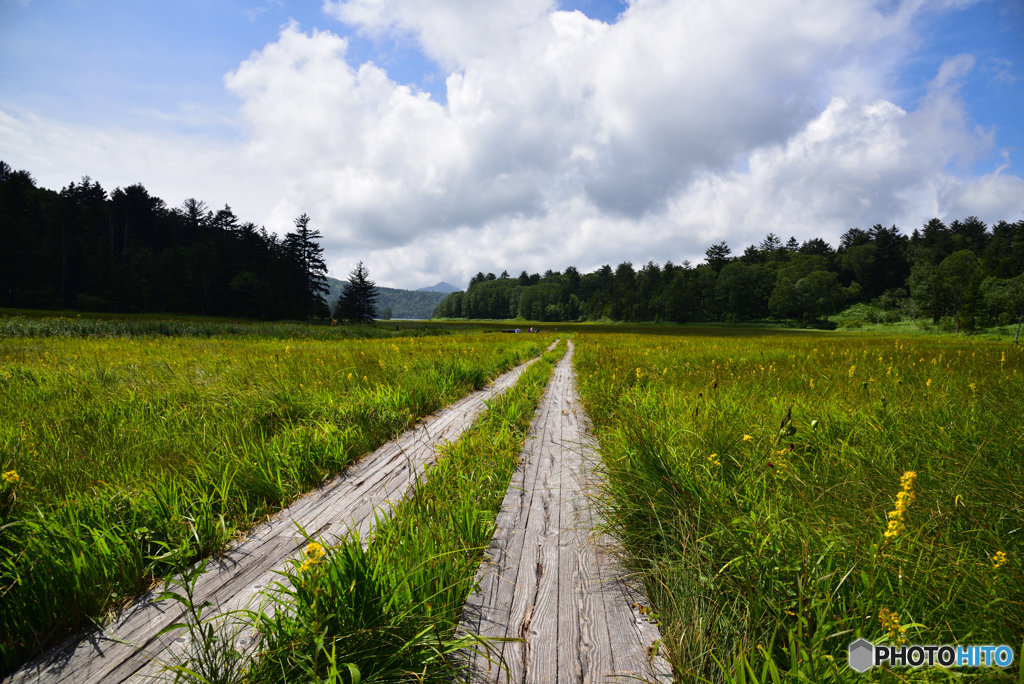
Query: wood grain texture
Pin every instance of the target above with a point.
(128, 648)
(550, 580)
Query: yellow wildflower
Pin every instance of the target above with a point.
(929, 383)
(973, 386)
(12, 477)
(748, 438)
(891, 623)
(314, 556)
(903, 501)
(998, 560)
(713, 459)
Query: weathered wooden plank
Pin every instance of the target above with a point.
(554, 615)
(511, 579)
(127, 645)
(549, 576)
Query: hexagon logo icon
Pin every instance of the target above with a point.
(861, 654)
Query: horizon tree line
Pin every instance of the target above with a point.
(127, 251)
(969, 271)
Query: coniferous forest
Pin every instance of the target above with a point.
(126, 251)
(966, 274)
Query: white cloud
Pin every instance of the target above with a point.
(172, 167)
(567, 140)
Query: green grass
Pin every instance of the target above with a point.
(135, 456)
(762, 542)
(388, 613)
(29, 324)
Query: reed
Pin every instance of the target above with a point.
(783, 496)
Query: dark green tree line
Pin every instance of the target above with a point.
(967, 271)
(127, 251)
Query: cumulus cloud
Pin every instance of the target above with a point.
(555, 122)
(567, 140)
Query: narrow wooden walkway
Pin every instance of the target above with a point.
(551, 580)
(128, 647)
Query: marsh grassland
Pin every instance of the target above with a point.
(126, 456)
(389, 613)
(778, 493)
(783, 495)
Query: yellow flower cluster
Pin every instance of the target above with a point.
(713, 460)
(891, 623)
(903, 501)
(12, 477)
(998, 560)
(747, 438)
(314, 555)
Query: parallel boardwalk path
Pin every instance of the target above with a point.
(128, 646)
(550, 579)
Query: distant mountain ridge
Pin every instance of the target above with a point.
(440, 287)
(403, 303)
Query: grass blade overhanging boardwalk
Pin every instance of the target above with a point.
(347, 503)
(782, 497)
(385, 609)
(552, 580)
(126, 459)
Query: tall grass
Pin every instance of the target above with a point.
(386, 610)
(753, 481)
(136, 456)
(151, 326)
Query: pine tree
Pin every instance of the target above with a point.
(358, 300)
(304, 248)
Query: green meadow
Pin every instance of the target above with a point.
(782, 496)
(778, 493)
(125, 457)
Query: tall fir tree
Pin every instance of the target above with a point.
(303, 246)
(358, 300)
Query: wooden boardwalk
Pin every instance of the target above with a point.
(128, 647)
(551, 581)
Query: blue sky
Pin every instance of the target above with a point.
(163, 63)
(210, 81)
(993, 32)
